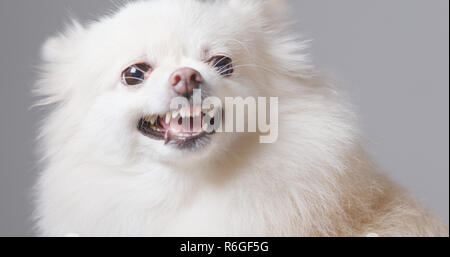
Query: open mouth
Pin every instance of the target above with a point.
(182, 127)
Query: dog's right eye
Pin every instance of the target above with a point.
(135, 74)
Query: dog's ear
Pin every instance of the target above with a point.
(56, 48)
(57, 53)
(273, 12)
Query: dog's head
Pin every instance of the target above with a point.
(115, 81)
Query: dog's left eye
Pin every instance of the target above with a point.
(223, 64)
(135, 74)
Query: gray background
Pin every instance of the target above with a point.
(390, 56)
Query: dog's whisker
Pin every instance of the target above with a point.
(260, 67)
(133, 78)
(139, 69)
(222, 71)
(242, 45)
(218, 62)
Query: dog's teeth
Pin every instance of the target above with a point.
(184, 113)
(168, 117)
(150, 120)
(209, 110)
(175, 114)
(197, 111)
(153, 119)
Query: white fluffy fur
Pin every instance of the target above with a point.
(101, 177)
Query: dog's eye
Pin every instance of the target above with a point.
(135, 74)
(223, 64)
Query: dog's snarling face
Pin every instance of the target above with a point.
(115, 80)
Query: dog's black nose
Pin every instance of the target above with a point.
(185, 80)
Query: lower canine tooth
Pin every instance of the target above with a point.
(168, 117)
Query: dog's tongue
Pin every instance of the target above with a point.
(167, 137)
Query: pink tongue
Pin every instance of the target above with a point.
(175, 128)
(192, 127)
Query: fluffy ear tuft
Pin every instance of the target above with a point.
(56, 47)
(274, 12)
(56, 53)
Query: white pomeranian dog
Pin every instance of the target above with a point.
(116, 164)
